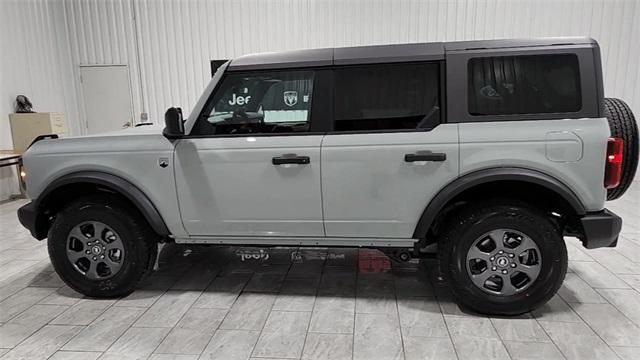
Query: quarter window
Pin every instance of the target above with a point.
(530, 84)
(387, 97)
(255, 103)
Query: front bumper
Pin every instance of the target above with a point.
(28, 216)
(600, 229)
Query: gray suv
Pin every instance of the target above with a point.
(491, 151)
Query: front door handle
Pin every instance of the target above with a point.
(425, 156)
(290, 159)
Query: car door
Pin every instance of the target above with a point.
(389, 152)
(251, 164)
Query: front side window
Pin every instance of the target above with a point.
(530, 84)
(258, 103)
(387, 97)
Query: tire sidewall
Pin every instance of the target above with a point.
(133, 262)
(552, 254)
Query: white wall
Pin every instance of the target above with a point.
(34, 61)
(167, 44)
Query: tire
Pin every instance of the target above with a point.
(623, 125)
(465, 228)
(134, 240)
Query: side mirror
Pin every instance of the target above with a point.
(173, 123)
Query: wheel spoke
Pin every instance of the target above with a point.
(475, 253)
(525, 244)
(507, 286)
(74, 256)
(76, 232)
(113, 266)
(98, 229)
(531, 271)
(481, 278)
(498, 238)
(92, 273)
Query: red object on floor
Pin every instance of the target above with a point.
(372, 261)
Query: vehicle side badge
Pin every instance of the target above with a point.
(163, 162)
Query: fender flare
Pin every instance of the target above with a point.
(115, 183)
(485, 176)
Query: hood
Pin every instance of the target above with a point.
(154, 129)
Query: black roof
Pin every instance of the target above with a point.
(388, 53)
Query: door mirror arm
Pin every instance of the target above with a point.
(173, 123)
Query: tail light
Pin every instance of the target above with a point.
(613, 165)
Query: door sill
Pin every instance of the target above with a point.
(297, 241)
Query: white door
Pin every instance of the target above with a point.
(233, 186)
(389, 153)
(251, 164)
(106, 91)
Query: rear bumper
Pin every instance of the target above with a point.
(601, 229)
(28, 217)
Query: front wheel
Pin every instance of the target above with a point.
(503, 259)
(101, 246)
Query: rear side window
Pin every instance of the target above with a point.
(387, 97)
(530, 84)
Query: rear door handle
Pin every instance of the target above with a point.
(290, 159)
(426, 156)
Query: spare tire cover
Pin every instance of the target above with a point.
(623, 125)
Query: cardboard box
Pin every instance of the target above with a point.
(25, 127)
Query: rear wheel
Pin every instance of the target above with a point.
(101, 246)
(623, 126)
(502, 259)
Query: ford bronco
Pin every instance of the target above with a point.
(491, 151)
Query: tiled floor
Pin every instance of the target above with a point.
(226, 303)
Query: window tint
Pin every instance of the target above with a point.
(387, 97)
(524, 84)
(266, 102)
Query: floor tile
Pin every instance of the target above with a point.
(83, 313)
(614, 261)
(577, 341)
(173, 357)
(43, 343)
(194, 331)
(75, 355)
(221, 293)
(421, 348)
(21, 300)
(333, 315)
(167, 311)
(137, 342)
(283, 335)
(521, 330)
(231, 345)
(609, 323)
(421, 316)
(328, 347)
(627, 353)
(373, 304)
(105, 330)
(470, 347)
(249, 312)
(574, 289)
(62, 296)
(377, 336)
(28, 322)
(596, 275)
(533, 351)
(625, 300)
(556, 309)
(470, 327)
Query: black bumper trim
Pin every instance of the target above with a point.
(28, 216)
(601, 229)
